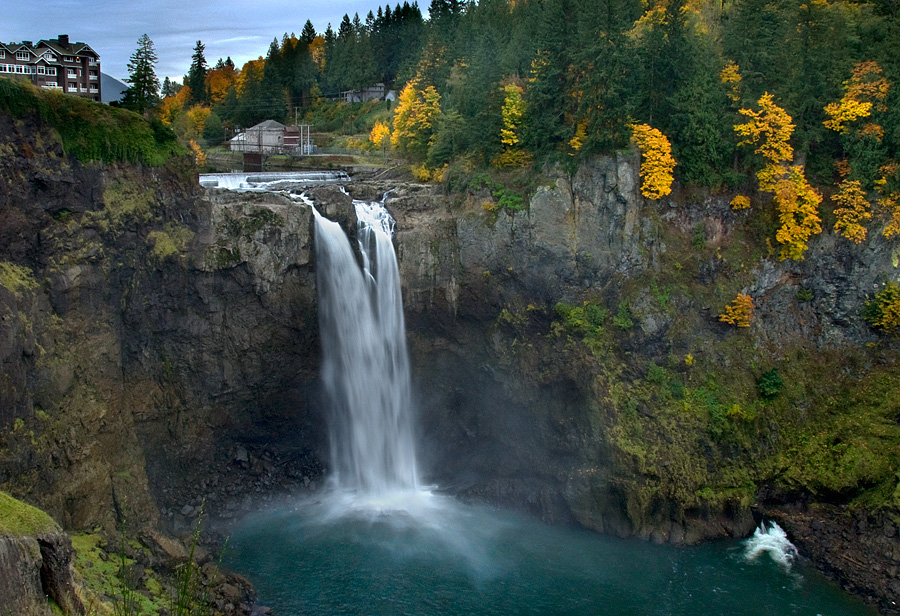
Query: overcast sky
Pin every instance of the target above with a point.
(242, 29)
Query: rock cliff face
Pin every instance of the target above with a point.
(159, 347)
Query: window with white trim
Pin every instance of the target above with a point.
(40, 70)
(23, 55)
(51, 71)
(2, 68)
(2, 54)
(20, 68)
(69, 59)
(50, 84)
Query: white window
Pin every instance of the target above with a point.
(2, 54)
(71, 74)
(69, 58)
(51, 70)
(94, 89)
(22, 55)
(50, 84)
(20, 68)
(73, 87)
(40, 70)
(50, 57)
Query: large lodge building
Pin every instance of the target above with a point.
(54, 64)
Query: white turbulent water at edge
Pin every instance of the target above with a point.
(365, 366)
(270, 181)
(773, 541)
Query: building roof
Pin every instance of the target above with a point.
(268, 125)
(60, 47)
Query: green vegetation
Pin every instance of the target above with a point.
(883, 311)
(19, 519)
(173, 239)
(106, 576)
(16, 278)
(91, 131)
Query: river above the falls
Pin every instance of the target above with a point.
(434, 555)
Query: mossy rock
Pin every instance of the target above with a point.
(19, 519)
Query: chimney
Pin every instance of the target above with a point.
(64, 40)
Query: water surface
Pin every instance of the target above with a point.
(433, 555)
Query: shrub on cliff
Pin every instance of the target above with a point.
(90, 131)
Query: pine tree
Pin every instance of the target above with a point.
(144, 85)
(308, 34)
(196, 77)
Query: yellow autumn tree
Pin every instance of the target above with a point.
(381, 136)
(196, 121)
(796, 201)
(414, 118)
(512, 114)
(731, 76)
(889, 200)
(769, 129)
(798, 212)
(173, 106)
(199, 154)
(852, 211)
(657, 162)
(739, 311)
(865, 89)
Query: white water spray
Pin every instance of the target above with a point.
(365, 365)
(772, 540)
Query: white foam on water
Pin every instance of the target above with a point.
(772, 541)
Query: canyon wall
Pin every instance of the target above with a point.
(159, 350)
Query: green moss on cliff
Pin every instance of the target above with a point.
(172, 240)
(20, 519)
(91, 131)
(16, 278)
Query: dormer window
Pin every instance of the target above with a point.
(23, 55)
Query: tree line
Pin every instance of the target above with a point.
(507, 82)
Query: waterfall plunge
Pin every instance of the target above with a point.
(365, 365)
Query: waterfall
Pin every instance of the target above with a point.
(365, 366)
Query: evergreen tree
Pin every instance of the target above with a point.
(196, 77)
(143, 91)
(170, 88)
(308, 34)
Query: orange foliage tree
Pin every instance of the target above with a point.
(218, 80)
(657, 162)
(796, 201)
(173, 106)
(739, 311)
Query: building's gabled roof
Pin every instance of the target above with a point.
(268, 125)
(70, 49)
(54, 45)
